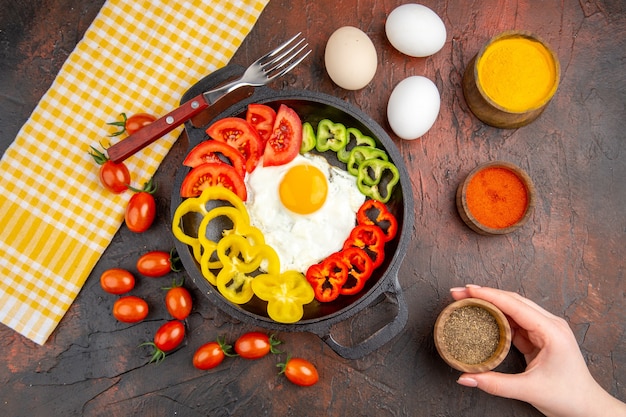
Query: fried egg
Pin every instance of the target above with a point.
(305, 209)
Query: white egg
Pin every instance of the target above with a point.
(350, 58)
(301, 240)
(415, 30)
(413, 107)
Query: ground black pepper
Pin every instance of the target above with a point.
(471, 334)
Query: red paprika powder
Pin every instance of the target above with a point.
(497, 197)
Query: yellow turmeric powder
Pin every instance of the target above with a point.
(517, 73)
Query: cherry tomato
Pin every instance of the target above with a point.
(130, 309)
(131, 124)
(141, 209)
(114, 177)
(284, 143)
(156, 264)
(255, 345)
(210, 151)
(299, 371)
(137, 121)
(211, 174)
(208, 356)
(117, 281)
(239, 134)
(178, 302)
(261, 117)
(168, 337)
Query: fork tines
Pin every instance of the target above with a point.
(285, 57)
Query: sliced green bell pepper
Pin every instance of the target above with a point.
(308, 138)
(377, 178)
(333, 136)
(359, 140)
(358, 154)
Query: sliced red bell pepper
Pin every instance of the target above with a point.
(327, 277)
(371, 239)
(376, 212)
(361, 268)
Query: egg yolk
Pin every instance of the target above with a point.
(303, 189)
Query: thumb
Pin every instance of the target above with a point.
(496, 383)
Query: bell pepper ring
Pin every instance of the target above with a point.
(240, 226)
(359, 140)
(333, 136)
(327, 277)
(308, 138)
(359, 154)
(198, 205)
(375, 212)
(371, 239)
(286, 295)
(361, 268)
(241, 263)
(375, 175)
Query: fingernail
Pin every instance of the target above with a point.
(457, 289)
(467, 382)
(472, 286)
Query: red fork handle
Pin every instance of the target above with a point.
(148, 134)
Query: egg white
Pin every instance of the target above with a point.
(303, 240)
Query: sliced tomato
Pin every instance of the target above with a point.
(213, 174)
(261, 117)
(286, 138)
(239, 134)
(210, 151)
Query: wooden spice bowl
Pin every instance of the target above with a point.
(471, 330)
(506, 212)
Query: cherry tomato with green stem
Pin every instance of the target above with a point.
(211, 354)
(117, 281)
(255, 345)
(157, 263)
(115, 177)
(167, 338)
(141, 208)
(130, 309)
(178, 301)
(131, 124)
(299, 371)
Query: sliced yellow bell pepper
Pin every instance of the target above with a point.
(241, 261)
(286, 294)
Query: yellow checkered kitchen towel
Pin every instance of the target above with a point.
(57, 220)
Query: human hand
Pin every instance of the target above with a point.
(556, 380)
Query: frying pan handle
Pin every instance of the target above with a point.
(383, 335)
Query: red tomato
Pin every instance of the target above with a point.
(137, 121)
(261, 117)
(300, 371)
(140, 212)
(117, 281)
(155, 264)
(114, 177)
(208, 356)
(284, 143)
(255, 345)
(178, 302)
(169, 335)
(130, 309)
(240, 135)
(210, 150)
(213, 174)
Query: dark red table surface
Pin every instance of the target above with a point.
(570, 257)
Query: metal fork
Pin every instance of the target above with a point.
(270, 66)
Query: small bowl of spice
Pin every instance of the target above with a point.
(511, 79)
(472, 335)
(496, 198)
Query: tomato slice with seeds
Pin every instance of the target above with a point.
(213, 174)
(286, 138)
(239, 134)
(210, 151)
(261, 117)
